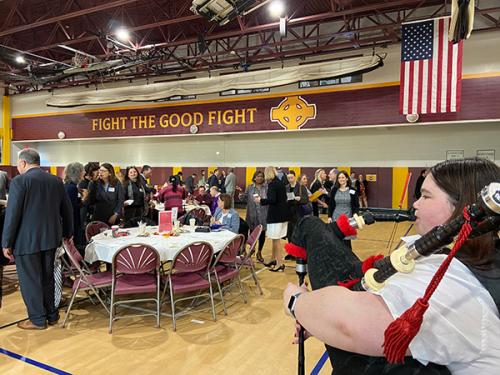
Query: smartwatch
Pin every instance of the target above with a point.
(293, 302)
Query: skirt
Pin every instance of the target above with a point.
(276, 231)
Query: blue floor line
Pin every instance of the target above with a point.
(33, 362)
(320, 364)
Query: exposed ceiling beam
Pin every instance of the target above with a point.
(66, 16)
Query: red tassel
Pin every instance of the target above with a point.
(368, 263)
(296, 251)
(399, 333)
(344, 226)
(348, 283)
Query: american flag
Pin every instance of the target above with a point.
(431, 69)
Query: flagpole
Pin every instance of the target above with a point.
(426, 19)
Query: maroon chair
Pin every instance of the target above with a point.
(190, 273)
(84, 279)
(245, 258)
(93, 228)
(135, 270)
(226, 269)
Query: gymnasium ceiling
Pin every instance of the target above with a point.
(168, 40)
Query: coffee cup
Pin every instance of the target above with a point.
(192, 222)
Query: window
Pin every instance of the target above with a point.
(244, 91)
(176, 97)
(331, 81)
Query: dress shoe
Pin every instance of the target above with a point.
(27, 324)
(270, 264)
(52, 322)
(278, 269)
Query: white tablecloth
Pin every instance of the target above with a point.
(103, 246)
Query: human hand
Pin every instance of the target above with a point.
(256, 199)
(7, 252)
(85, 194)
(112, 219)
(296, 334)
(330, 220)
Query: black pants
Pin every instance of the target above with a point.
(262, 240)
(36, 279)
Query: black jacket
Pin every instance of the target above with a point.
(138, 193)
(276, 200)
(38, 215)
(106, 203)
(354, 201)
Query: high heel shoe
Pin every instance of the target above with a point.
(279, 269)
(259, 258)
(270, 264)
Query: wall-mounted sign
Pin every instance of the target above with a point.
(486, 154)
(454, 154)
(296, 111)
(371, 177)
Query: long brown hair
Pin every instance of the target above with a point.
(463, 180)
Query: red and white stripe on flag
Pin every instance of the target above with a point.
(433, 85)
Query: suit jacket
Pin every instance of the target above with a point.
(230, 183)
(4, 184)
(276, 200)
(106, 203)
(38, 214)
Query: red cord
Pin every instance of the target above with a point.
(399, 333)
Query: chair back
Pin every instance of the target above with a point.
(135, 259)
(231, 250)
(198, 212)
(253, 239)
(193, 258)
(74, 256)
(93, 228)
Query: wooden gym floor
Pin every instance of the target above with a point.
(254, 338)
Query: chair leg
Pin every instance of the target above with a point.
(111, 310)
(256, 279)
(96, 293)
(158, 300)
(212, 300)
(172, 304)
(221, 294)
(242, 290)
(71, 303)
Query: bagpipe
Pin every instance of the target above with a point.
(319, 249)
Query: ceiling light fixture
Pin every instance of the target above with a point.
(20, 59)
(122, 34)
(276, 8)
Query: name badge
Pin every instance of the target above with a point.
(352, 192)
(141, 190)
(111, 189)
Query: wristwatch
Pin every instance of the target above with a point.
(292, 302)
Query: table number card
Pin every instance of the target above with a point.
(164, 221)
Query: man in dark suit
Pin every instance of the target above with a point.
(38, 215)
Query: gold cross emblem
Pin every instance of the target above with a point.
(293, 113)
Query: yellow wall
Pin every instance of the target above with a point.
(249, 174)
(6, 133)
(399, 178)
